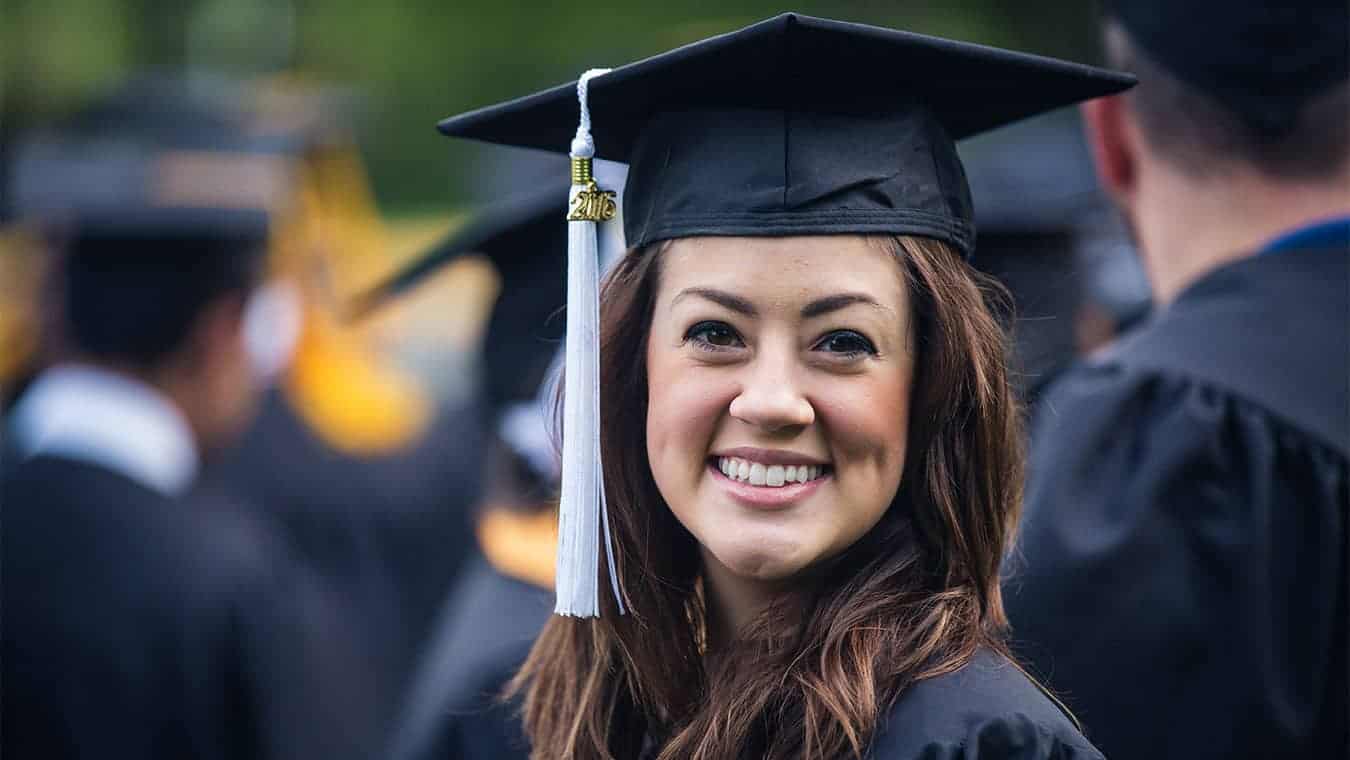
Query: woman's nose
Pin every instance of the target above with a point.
(770, 396)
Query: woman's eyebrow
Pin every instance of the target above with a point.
(816, 308)
(828, 304)
(720, 297)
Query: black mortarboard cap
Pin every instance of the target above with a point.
(160, 200)
(1036, 199)
(1261, 59)
(1032, 178)
(154, 159)
(797, 125)
(526, 242)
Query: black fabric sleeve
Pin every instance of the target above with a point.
(1180, 575)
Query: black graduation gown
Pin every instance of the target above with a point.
(490, 623)
(140, 626)
(1181, 577)
(987, 710)
(388, 532)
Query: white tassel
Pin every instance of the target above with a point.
(582, 513)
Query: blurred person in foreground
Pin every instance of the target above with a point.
(1182, 573)
(138, 621)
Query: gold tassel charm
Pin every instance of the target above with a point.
(590, 203)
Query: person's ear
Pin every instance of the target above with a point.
(1114, 145)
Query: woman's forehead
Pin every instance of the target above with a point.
(784, 270)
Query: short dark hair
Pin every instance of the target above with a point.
(1199, 135)
(134, 298)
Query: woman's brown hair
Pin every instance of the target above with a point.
(916, 597)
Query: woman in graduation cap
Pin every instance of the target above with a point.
(791, 459)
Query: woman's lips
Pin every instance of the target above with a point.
(765, 496)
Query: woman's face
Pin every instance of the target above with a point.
(779, 375)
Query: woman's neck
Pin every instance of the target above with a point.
(732, 601)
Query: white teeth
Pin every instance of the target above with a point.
(768, 476)
(756, 474)
(773, 476)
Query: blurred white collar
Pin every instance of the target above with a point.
(99, 417)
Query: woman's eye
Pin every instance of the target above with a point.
(846, 343)
(713, 335)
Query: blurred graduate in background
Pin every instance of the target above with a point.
(505, 593)
(370, 475)
(142, 620)
(1045, 232)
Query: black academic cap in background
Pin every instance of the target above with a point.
(1261, 59)
(153, 159)
(1034, 177)
(525, 238)
(162, 108)
(796, 125)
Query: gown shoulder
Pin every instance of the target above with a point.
(987, 710)
(1180, 571)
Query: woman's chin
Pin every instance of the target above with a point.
(763, 561)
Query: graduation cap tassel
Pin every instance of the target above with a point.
(582, 513)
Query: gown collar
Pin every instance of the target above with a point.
(1327, 233)
(110, 420)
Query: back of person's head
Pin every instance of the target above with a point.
(157, 199)
(134, 298)
(171, 308)
(1254, 85)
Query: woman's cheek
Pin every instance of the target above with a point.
(685, 413)
(683, 408)
(868, 424)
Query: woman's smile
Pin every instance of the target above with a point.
(767, 478)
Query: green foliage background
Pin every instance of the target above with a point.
(415, 61)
